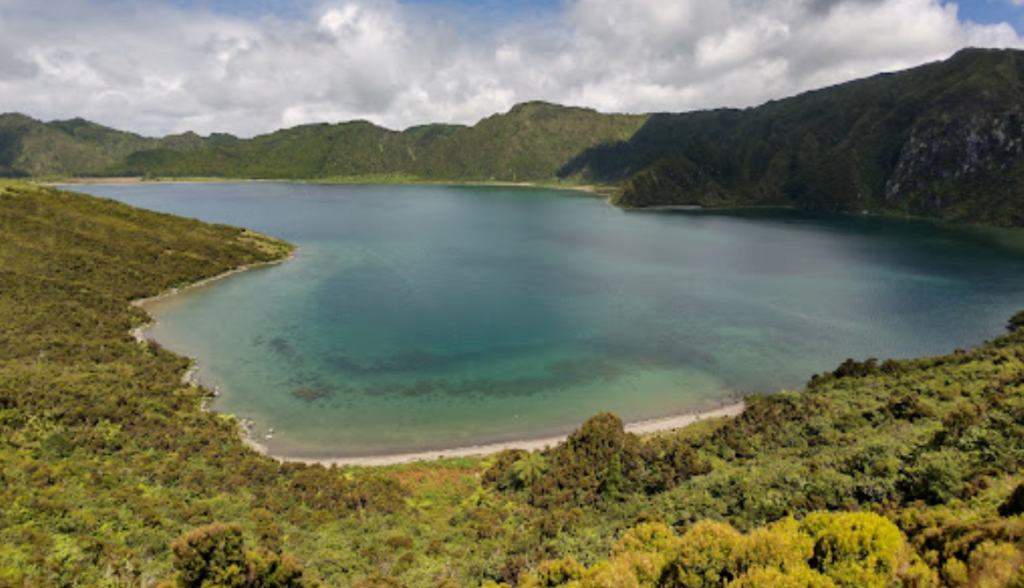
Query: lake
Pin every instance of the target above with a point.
(434, 317)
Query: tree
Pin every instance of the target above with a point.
(800, 577)
(554, 573)
(705, 557)
(214, 556)
(210, 556)
(856, 549)
(529, 468)
(613, 478)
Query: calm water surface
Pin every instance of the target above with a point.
(418, 317)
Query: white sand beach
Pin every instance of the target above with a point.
(642, 427)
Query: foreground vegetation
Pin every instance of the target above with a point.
(877, 474)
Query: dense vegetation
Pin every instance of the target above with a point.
(877, 474)
(529, 143)
(104, 453)
(943, 141)
(823, 550)
(934, 444)
(29, 148)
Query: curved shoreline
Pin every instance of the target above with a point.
(139, 333)
(249, 438)
(641, 428)
(649, 426)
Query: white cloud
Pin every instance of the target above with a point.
(739, 45)
(156, 69)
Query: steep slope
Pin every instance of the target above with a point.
(942, 140)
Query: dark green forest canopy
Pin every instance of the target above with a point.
(112, 475)
(943, 140)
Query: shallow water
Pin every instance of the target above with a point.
(427, 317)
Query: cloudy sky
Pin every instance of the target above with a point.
(252, 66)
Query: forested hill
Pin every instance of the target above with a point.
(529, 143)
(943, 140)
(30, 148)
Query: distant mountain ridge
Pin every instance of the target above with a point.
(529, 143)
(943, 140)
(30, 148)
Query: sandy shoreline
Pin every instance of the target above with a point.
(642, 427)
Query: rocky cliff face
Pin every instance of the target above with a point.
(967, 147)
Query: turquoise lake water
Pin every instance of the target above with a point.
(432, 317)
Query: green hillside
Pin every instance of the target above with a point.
(30, 148)
(529, 143)
(894, 473)
(305, 152)
(942, 141)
